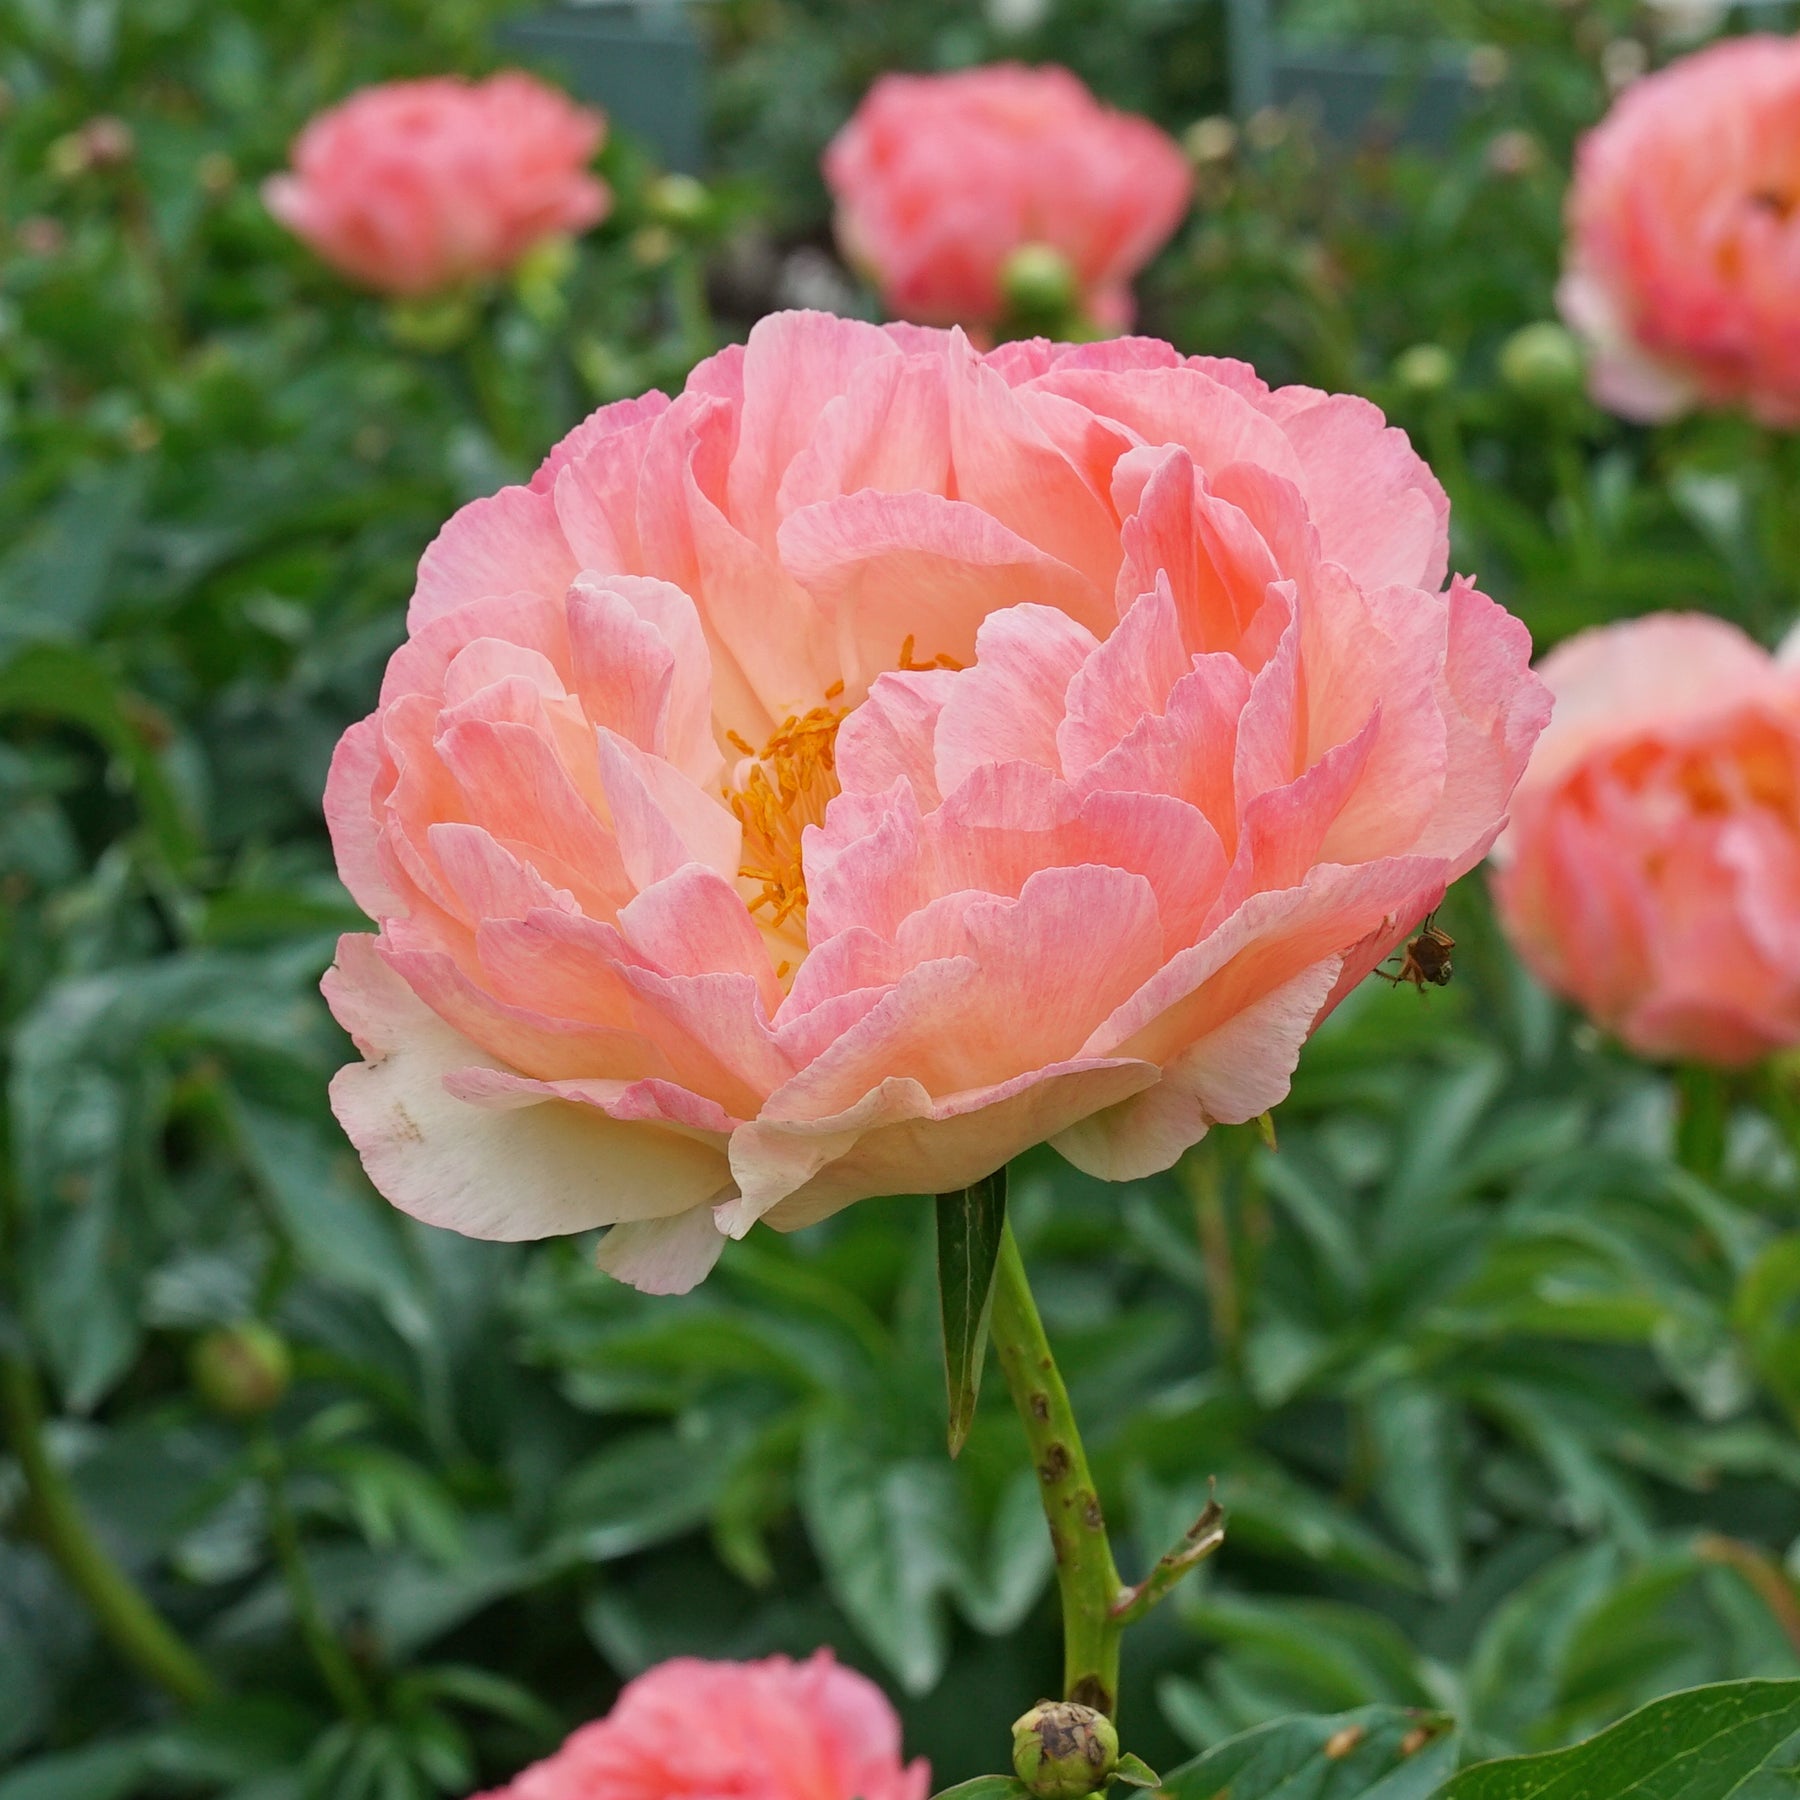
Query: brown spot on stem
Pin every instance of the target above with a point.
(1341, 1743)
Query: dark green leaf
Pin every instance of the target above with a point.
(65, 682)
(643, 1489)
(890, 1535)
(1377, 1751)
(969, 1226)
(99, 1772)
(54, 583)
(1705, 1744)
(1135, 1772)
(986, 1787)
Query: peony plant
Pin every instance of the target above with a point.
(884, 758)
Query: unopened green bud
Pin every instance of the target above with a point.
(432, 323)
(1425, 369)
(677, 200)
(1038, 282)
(1062, 1751)
(1542, 362)
(242, 1370)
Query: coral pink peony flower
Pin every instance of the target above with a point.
(416, 185)
(884, 758)
(939, 179)
(774, 1730)
(1684, 237)
(1652, 870)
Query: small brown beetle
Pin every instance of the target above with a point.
(1426, 959)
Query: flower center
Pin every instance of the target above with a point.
(790, 782)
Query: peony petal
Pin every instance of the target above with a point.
(599, 632)
(1239, 1070)
(1010, 706)
(541, 1171)
(796, 364)
(898, 1139)
(507, 544)
(892, 568)
(349, 812)
(662, 820)
(662, 1256)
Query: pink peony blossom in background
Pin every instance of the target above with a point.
(1652, 869)
(773, 1730)
(939, 179)
(413, 186)
(1683, 261)
(883, 758)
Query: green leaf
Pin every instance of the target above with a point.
(1766, 1311)
(1374, 1753)
(643, 1489)
(1705, 1744)
(889, 1534)
(1000, 1589)
(100, 1772)
(53, 584)
(969, 1225)
(336, 1225)
(1137, 1773)
(61, 681)
(986, 1787)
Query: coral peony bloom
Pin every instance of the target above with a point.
(939, 179)
(884, 758)
(1652, 870)
(1684, 237)
(416, 185)
(774, 1730)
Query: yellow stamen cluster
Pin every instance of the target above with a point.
(791, 782)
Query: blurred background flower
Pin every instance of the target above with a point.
(1652, 870)
(1684, 257)
(415, 186)
(943, 182)
(771, 1730)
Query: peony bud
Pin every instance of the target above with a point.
(1425, 369)
(1542, 362)
(678, 200)
(242, 1370)
(1213, 139)
(1038, 281)
(1062, 1751)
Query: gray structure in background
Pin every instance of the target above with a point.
(1418, 92)
(640, 60)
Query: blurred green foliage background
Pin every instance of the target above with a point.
(1496, 1360)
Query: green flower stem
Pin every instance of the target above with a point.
(1703, 1112)
(1085, 1571)
(1202, 1173)
(132, 1625)
(328, 1653)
